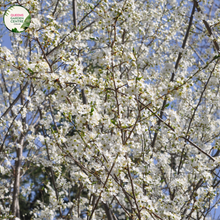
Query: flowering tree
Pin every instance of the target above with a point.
(113, 107)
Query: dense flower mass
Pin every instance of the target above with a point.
(110, 110)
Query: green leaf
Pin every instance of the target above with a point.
(139, 78)
(92, 38)
(113, 121)
(70, 115)
(31, 71)
(15, 30)
(216, 57)
(92, 110)
(27, 22)
(167, 105)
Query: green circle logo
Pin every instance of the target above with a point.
(17, 18)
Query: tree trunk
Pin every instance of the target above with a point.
(16, 190)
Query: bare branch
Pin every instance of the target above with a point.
(15, 101)
(207, 27)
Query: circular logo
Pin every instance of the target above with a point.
(17, 18)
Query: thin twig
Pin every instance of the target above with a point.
(102, 190)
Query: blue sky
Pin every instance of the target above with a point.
(5, 41)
